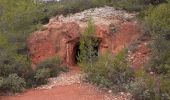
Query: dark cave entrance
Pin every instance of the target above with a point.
(77, 51)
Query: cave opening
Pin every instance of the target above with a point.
(77, 51)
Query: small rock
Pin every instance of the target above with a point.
(110, 91)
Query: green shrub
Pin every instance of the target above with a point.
(12, 83)
(49, 68)
(149, 87)
(141, 91)
(158, 21)
(17, 20)
(11, 63)
(142, 88)
(54, 66)
(120, 72)
(155, 86)
(130, 5)
(1, 82)
(88, 45)
(66, 7)
(41, 76)
(111, 72)
(160, 62)
(165, 88)
(30, 80)
(135, 5)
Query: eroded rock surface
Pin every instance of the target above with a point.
(116, 29)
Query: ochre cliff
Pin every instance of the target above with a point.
(60, 37)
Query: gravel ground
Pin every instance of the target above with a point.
(63, 80)
(77, 78)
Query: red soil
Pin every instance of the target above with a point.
(76, 91)
(71, 92)
(80, 91)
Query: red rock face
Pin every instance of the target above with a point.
(61, 39)
(58, 39)
(115, 31)
(126, 34)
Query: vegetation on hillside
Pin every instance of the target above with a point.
(151, 83)
(18, 18)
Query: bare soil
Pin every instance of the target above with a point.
(67, 86)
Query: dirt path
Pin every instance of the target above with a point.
(68, 86)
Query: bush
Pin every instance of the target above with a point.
(88, 45)
(11, 63)
(164, 88)
(53, 65)
(41, 76)
(149, 87)
(17, 20)
(1, 82)
(158, 21)
(48, 68)
(12, 83)
(130, 5)
(66, 7)
(110, 72)
(135, 5)
(160, 62)
(120, 72)
(155, 86)
(142, 88)
(30, 80)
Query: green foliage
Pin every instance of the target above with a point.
(11, 63)
(12, 83)
(18, 18)
(4, 42)
(130, 5)
(111, 72)
(164, 88)
(158, 21)
(41, 76)
(88, 45)
(160, 62)
(120, 72)
(149, 87)
(66, 7)
(155, 86)
(16, 22)
(53, 65)
(142, 88)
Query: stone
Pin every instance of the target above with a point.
(110, 91)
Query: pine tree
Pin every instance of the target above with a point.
(88, 45)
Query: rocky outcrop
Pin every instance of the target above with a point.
(54, 40)
(115, 29)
